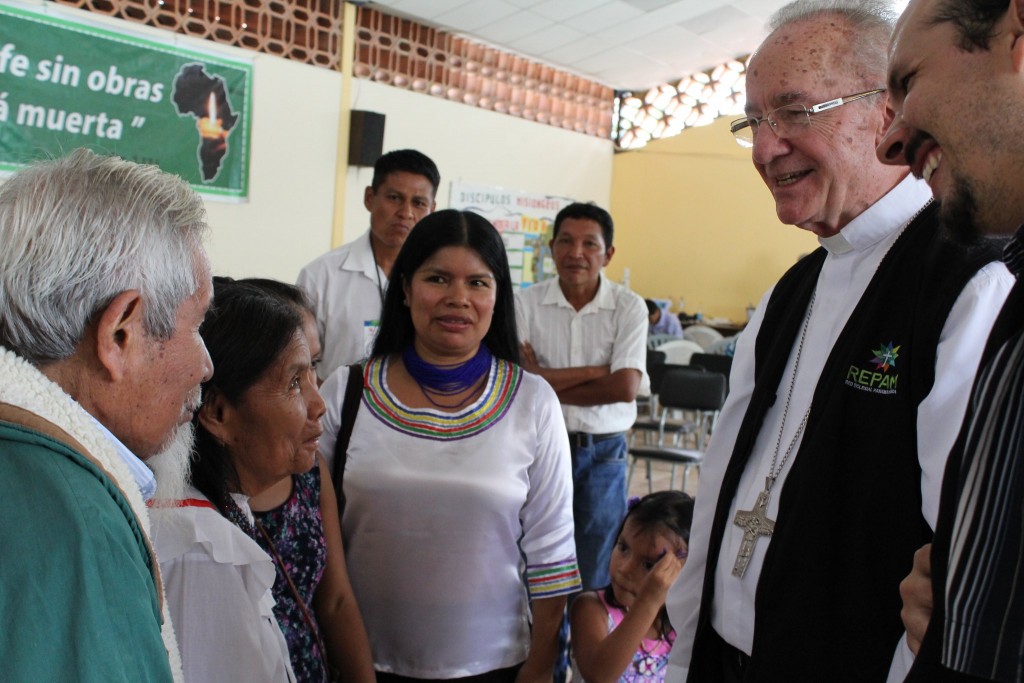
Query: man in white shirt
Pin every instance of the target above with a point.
(347, 284)
(587, 337)
(103, 285)
(847, 387)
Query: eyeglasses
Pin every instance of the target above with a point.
(789, 120)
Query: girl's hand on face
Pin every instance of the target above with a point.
(662, 575)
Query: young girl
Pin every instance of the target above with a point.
(622, 633)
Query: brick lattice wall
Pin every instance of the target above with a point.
(392, 50)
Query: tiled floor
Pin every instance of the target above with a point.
(661, 472)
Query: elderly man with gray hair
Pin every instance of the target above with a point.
(848, 386)
(103, 285)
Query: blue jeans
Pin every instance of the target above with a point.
(598, 507)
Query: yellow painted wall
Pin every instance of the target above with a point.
(694, 220)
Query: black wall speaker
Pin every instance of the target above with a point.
(365, 138)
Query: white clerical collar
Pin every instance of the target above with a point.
(894, 210)
(140, 472)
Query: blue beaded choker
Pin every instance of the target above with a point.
(446, 380)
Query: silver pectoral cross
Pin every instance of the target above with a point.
(755, 523)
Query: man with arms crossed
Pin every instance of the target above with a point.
(847, 387)
(347, 284)
(956, 76)
(587, 336)
(103, 285)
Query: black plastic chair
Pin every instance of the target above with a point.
(683, 389)
(655, 421)
(713, 362)
(648, 405)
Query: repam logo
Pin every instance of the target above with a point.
(875, 376)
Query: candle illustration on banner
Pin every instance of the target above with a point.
(210, 126)
(214, 145)
(204, 97)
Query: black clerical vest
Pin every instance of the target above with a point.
(827, 601)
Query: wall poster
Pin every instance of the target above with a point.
(524, 220)
(67, 82)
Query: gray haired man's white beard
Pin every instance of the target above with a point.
(171, 465)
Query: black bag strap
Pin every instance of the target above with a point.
(349, 409)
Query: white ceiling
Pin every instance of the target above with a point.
(625, 44)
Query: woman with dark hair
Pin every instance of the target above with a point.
(456, 475)
(297, 524)
(259, 423)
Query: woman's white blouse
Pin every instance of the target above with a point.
(454, 522)
(218, 585)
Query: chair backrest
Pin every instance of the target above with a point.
(724, 347)
(656, 340)
(703, 335)
(678, 351)
(713, 362)
(655, 363)
(656, 373)
(692, 389)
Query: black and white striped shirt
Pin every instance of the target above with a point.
(984, 628)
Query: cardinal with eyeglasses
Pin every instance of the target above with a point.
(848, 386)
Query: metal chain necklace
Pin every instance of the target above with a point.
(755, 522)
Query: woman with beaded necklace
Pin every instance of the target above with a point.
(457, 475)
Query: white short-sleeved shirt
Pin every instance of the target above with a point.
(219, 584)
(347, 290)
(610, 330)
(442, 508)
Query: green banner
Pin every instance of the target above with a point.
(67, 84)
